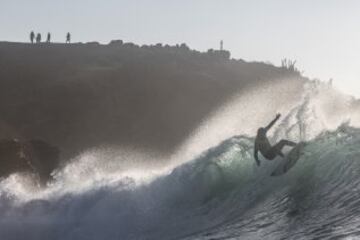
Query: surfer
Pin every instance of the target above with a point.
(263, 145)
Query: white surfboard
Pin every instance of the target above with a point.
(289, 161)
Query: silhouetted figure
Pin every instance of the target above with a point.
(48, 38)
(32, 36)
(68, 38)
(38, 38)
(263, 145)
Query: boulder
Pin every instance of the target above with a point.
(35, 156)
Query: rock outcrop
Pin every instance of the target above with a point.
(35, 156)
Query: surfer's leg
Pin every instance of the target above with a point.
(280, 154)
(277, 149)
(280, 145)
(289, 143)
(271, 153)
(284, 143)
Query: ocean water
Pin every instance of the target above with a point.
(218, 194)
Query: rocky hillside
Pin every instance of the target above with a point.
(78, 96)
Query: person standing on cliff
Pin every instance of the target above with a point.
(68, 38)
(38, 38)
(32, 36)
(48, 39)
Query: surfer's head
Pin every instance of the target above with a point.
(261, 131)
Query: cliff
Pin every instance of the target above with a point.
(78, 96)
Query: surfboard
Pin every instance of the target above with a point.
(289, 161)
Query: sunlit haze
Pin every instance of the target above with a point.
(323, 36)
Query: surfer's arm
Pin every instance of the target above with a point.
(272, 122)
(256, 151)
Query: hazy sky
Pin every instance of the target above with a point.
(322, 35)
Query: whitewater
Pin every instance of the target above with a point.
(211, 188)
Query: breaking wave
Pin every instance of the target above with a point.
(220, 194)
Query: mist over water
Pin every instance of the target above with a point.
(209, 188)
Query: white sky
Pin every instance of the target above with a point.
(322, 35)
